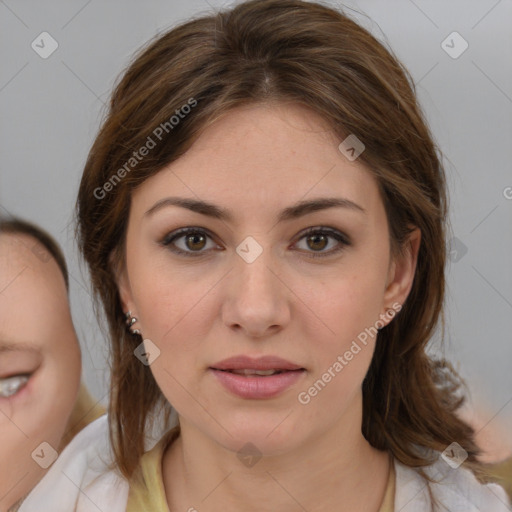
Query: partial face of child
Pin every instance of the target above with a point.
(40, 364)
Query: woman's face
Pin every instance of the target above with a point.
(40, 364)
(255, 284)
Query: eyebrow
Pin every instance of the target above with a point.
(6, 346)
(292, 212)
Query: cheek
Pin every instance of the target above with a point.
(18, 470)
(172, 305)
(42, 408)
(61, 384)
(176, 312)
(173, 322)
(348, 307)
(37, 414)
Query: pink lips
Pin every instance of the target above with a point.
(257, 386)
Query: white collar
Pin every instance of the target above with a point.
(82, 480)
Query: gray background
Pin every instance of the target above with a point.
(51, 109)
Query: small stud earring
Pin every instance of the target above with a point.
(130, 320)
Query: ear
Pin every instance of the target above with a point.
(118, 268)
(402, 270)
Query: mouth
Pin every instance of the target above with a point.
(252, 378)
(258, 373)
(257, 383)
(263, 365)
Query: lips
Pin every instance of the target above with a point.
(260, 373)
(257, 378)
(245, 365)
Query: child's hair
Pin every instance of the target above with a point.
(281, 51)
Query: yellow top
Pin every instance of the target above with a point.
(501, 473)
(147, 488)
(388, 504)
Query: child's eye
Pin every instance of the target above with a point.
(11, 385)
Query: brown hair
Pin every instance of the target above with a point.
(282, 51)
(15, 225)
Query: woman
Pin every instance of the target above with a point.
(42, 406)
(263, 213)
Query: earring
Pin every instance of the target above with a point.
(130, 320)
(390, 313)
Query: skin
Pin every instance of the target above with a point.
(256, 161)
(37, 338)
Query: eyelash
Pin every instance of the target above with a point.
(4, 383)
(171, 237)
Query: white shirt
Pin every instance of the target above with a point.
(80, 480)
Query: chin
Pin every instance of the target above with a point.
(270, 436)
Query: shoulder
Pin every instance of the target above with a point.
(454, 489)
(82, 478)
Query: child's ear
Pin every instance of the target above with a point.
(402, 270)
(118, 268)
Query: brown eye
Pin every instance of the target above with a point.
(318, 239)
(188, 242)
(195, 242)
(317, 242)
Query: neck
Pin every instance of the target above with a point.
(336, 469)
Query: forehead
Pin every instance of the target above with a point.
(18, 247)
(263, 154)
(266, 137)
(33, 296)
(26, 265)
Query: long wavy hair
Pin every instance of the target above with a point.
(263, 51)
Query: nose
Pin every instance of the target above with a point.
(257, 299)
